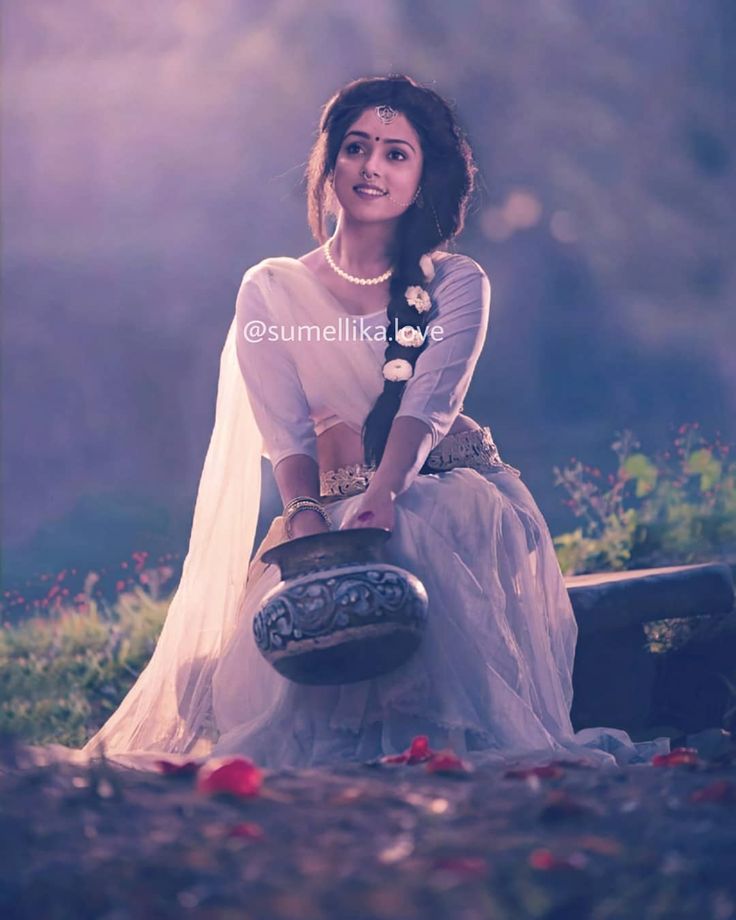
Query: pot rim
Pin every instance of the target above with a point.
(363, 540)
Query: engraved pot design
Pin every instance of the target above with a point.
(341, 613)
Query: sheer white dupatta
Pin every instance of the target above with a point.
(168, 706)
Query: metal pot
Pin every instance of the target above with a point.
(341, 613)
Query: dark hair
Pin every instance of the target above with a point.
(436, 217)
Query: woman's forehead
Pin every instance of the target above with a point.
(400, 127)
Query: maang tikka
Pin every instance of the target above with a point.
(386, 113)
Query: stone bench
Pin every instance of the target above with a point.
(615, 672)
(617, 600)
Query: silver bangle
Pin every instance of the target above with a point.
(301, 503)
(300, 498)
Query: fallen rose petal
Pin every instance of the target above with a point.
(419, 751)
(233, 775)
(677, 757)
(172, 768)
(246, 829)
(546, 861)
(722, 791)
(543, 771)
(542, 859)
(446, 762)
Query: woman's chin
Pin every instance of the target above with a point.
(367, 214)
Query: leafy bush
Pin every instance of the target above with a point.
(678, 507)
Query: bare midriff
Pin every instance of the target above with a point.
(340, 445)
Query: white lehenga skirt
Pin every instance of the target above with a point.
(492, 678)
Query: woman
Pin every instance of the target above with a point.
(368, 431)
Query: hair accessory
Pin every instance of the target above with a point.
(379, 279)
(418, 298)
(386, 113)
(410, 337)
(397, 369)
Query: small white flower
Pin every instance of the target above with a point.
(427, 266)
(417, 297)
(397, 369)
(409, 336)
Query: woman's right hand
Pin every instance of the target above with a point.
(307, 522)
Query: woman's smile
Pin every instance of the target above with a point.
(368, 191)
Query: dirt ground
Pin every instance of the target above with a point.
(362, 841)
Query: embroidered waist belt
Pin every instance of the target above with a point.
(474, 449)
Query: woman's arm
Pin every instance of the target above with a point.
(407, 446)
(298, 474)
(433, 396)
(279, 405)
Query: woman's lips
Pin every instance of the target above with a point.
(365, 192)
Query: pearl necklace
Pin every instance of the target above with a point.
(379, 279)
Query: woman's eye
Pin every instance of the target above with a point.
(350, 148)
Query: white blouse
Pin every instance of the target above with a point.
(299, 387)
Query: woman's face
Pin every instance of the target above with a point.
(386, 157)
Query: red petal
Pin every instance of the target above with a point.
(546, 861)
(542, 859)
(246, 829)
(419, 750)
(721, 790)
(446, 762)
(676, 757)
(232, 775)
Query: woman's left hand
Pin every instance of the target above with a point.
(375, 509)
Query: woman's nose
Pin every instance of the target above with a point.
(370, 164)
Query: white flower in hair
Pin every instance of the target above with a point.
(397, 369)
(417, 297)
(427, 266)
(409, 336)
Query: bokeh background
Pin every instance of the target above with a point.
(152, 153)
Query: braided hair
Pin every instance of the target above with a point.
(436, 217)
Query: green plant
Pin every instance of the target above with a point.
(61, 675)
(676, 508)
